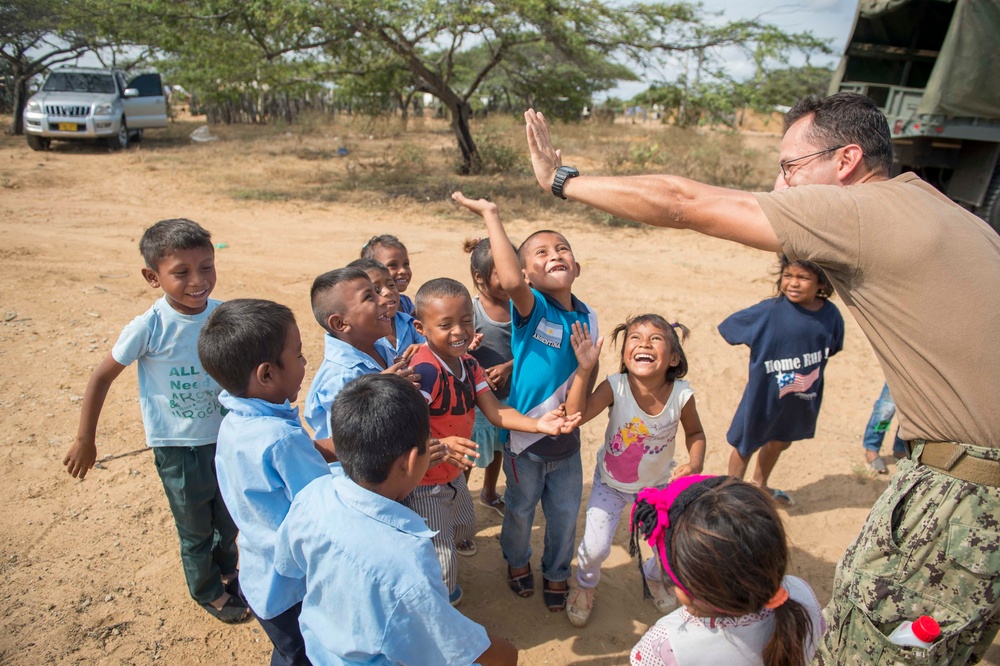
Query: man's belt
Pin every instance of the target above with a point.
(951, 459)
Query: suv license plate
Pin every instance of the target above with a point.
(67, 127)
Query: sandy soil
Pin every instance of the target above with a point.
(90, 569)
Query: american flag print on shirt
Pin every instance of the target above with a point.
(793, 382)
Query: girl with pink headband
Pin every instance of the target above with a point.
(722, 544)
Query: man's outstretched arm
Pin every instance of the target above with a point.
(661, 201)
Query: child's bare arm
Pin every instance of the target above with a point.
(504, 257)
(555, 422)
(82, 453)
(326, 449)
(694, 436)
(500, 652)
(581, 397)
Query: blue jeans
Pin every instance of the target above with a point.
(559, 486)
(882, 413)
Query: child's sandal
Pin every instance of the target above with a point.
(555, 600)
(522, 585)
(233, 611)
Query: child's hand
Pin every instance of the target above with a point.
(80, 458)
(587, 353)
(458, 450)
(686, 469)
(476, 339)
(480, 207)
(557, 422)
(498, 375)
(410, 351)
(437, 450)
(403, 370)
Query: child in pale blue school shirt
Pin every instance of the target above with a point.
(346, 305)
(377, 599)
(403, 335)
(264, 457)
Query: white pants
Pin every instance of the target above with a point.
(604, 511)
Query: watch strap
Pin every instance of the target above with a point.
(563, 174)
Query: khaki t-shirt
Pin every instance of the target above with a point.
(922, 277)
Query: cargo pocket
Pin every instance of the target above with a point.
(879, 608)
(877, 550)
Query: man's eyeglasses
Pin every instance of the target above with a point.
(785, 166)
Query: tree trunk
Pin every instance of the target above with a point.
(461, 111)
(19, 102)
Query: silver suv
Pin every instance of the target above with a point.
(79, 103)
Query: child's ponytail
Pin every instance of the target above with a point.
(792, 632)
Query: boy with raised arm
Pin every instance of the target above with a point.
(539, 279)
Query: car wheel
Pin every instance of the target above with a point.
(119, 141)
(38, 142)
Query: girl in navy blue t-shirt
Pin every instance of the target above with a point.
(790, 339)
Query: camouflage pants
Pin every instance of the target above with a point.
(931, 546)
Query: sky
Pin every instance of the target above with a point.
(826, 19)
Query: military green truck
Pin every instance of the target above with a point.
(933, 67)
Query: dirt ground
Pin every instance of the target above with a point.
(90, 568)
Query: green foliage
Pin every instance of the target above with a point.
(378, 55)
(500, 155)
(787, 86)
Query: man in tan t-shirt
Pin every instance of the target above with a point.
(912, 267)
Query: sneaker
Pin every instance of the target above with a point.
(663, 597)
(466, 547)
(496, 504)
(581, 603)
(455, 598)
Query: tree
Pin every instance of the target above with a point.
(784, 87)
(34, 35)
(425, 45)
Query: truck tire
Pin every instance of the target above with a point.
(119, 141)
(990, 210)
(38, 142)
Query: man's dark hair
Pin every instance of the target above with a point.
(846, 118)
(437, 288)
(167, 236)
(240, 335)
(374, 420)
(324, 305)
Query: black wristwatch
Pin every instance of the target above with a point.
(563, 174)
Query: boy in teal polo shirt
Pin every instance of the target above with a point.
(539, 279)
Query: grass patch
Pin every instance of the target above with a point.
(260, 195)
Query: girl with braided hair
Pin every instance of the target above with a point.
(722, 545)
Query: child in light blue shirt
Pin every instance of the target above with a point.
(346, 305)
(374, 593)
(264, 458)
(395, 345)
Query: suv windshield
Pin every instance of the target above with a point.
(79, 82)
